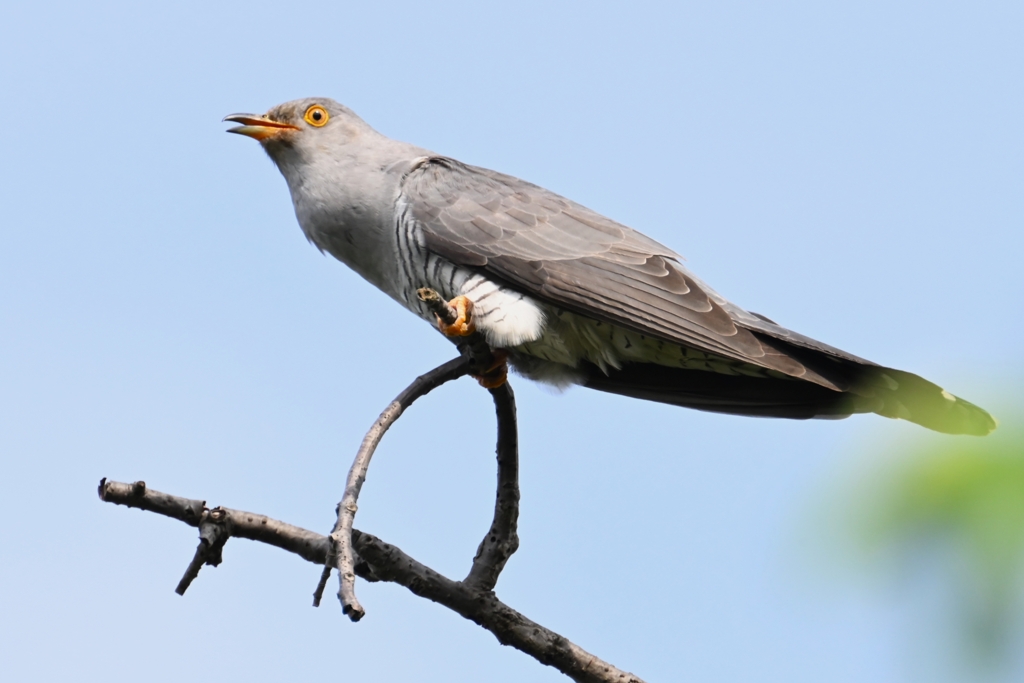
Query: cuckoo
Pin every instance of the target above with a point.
(568, 296)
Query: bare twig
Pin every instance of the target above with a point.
(476, 357)
(213, 534)
(308, 545)
(341, 536)
(321, 586)
(501, 540)
(388, 563)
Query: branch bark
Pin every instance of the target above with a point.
(475, 356)
(341, 536)
(388, 563)
(501, 540)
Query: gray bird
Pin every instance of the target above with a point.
(571, 296)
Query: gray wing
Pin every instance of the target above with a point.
(565, 254)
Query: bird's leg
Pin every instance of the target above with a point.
(494, 373)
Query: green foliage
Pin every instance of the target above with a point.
(959, 505)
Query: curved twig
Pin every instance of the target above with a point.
(501, 540)
(476, 356)
(388, 563)
(341, 536)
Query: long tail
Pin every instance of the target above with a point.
(868, 389)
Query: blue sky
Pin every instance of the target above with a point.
(853, 172)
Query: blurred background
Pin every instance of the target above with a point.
(853, 171)
(939, 527)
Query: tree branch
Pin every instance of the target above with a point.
(388, 563)
(359, 554)
(213, 534)
(476, 356)
(341, 536)
(501, 540)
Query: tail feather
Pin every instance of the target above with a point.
(909, 397)
(871, 389)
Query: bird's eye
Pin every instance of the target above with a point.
(316, 116)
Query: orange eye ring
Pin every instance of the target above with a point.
(316, 116)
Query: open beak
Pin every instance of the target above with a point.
(258, 127)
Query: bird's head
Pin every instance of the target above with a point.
(337, 170)
(300, 126)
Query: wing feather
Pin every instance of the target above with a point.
(573, 258)
(570, 256)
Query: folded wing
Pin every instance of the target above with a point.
(567, 255)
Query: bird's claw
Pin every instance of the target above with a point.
(463, 325)
(497, 373)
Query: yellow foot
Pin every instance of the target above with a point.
(463, 325)
(496, 375)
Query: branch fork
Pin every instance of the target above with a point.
(354, 553)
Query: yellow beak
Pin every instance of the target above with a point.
(257, 127)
